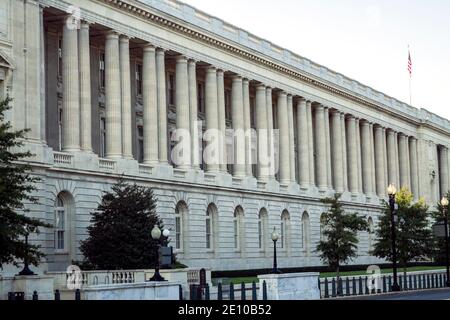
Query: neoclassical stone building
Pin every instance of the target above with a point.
(103, 84)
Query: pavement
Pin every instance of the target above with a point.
(433, 294)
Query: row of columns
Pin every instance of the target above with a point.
(334, 150)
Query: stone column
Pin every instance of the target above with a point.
(321, 147)
(237, 114)
(403, 158)
(385, 159)
(397, 162)
(270, 132)
(303, 144)
(372, 158)
(352, 155)
(283, 127)
(247, 127)
(344, 152)
(193, 109)
(150, 104)
(414, 167)
(443, 177)
(71, 98)
(182, 109)
(328, 147)
(391, 156)
(359, 158)
(212, 122)
(162, 106)
(222, 120)
(126, 97)
(379, 162)
(85, 87)
(290, 110)
(366, 160)
(312, 175)
(261, 127)
(113, 97)
(337, 161)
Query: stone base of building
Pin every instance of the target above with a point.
(291, 286)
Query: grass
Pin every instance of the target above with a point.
(239, 280)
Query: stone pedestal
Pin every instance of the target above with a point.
(290, 286)
(133, 291)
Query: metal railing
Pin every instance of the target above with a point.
(369, 285)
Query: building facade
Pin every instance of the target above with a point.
(104, 85)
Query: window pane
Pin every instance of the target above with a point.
(236, 242)
(60, 240)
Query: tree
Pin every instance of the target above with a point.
(438, 242)
(120, 234)
(340, 234)
(414, 236)
(16, 185)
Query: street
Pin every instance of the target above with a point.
(437, 294)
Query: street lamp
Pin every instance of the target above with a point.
(275, 237)
(391, 190)
(444, 204)
(26, 269)
(156, 235)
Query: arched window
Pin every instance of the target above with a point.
(262, 227)
(180, 226)
(211, 227)
(237, 228)
(305, 232)
(284, 230)
(60, 224)
(370, 234)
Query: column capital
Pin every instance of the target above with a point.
(160, 50)
(282, 93)
(124, 38)
(364, 122)
(260, 87)
(211, 69)
(245, 80)
(236, 77)
(85, 24)
(112, 34)
(181, 59)
(192, 61)
(148, 47)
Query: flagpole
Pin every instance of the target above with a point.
(410, 75)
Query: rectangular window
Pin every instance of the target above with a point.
(60, 128)
(208, 233)
(282, 236)
(228, 104)
(102, 137)
(60, 66)
(60, 229)
(200, 97)
(171, 88)
(260, 239)
(141, 144)
(177, 232)
(101, 64)
(236, 234)
(139, 79)
(252, 113)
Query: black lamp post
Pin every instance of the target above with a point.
(391, 190)
(156, 235)
(26, 269)
(444, 204)
(275, 237)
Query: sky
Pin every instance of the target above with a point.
(366, 40)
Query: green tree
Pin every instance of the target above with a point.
(16, 185)
(439, 243)
(340, 234)
(413, 230)
(120, 234)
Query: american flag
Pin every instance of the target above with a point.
(409, 63)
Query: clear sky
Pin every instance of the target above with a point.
(366, 40)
